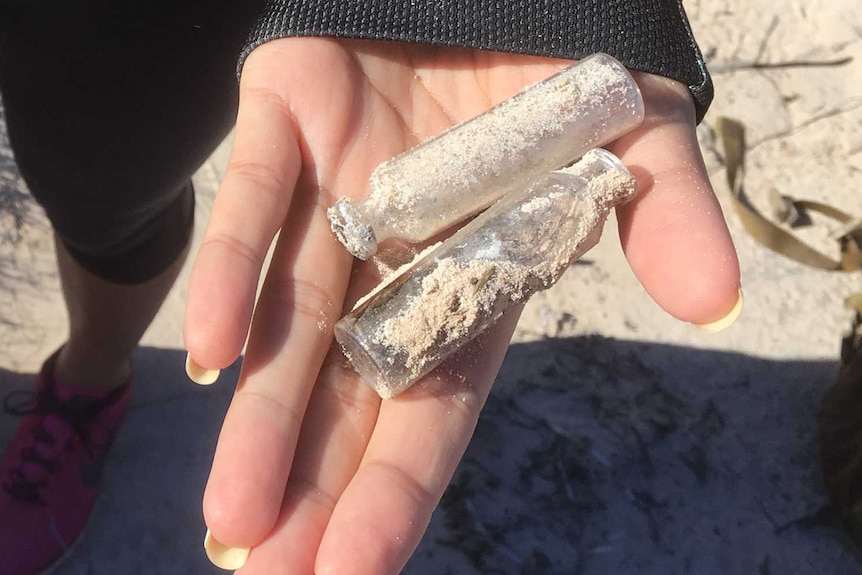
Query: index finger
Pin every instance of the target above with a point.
(251, 205)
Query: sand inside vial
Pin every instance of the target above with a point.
(456, 295)
(452, 299)
(389, 275)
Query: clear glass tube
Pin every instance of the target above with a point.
(519, 246)
(457, 174)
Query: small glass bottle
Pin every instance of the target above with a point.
(450, 177)
(448, 295)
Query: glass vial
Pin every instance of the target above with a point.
(519, 246)
(467, 168)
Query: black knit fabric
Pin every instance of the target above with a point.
(648, 35)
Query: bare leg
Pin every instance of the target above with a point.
(106, 321)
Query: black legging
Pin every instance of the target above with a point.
(111, 107)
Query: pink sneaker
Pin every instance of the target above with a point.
(49, 474)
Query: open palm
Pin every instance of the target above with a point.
(312, 470)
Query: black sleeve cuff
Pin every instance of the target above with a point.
(647, 35)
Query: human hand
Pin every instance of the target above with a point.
(312, 470)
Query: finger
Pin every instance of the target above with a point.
(290, 336)
(251, 205)
(674, 233)
(338, 423)
(417, 442)
(286, 348)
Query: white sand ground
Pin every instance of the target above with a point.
(618, 441)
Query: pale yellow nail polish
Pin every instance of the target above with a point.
(200, 375)
(224, 557)
(725, 322)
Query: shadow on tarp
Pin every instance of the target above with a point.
(592, 456)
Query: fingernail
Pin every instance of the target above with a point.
(198, 374)
(725, 322)
(224, 557)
